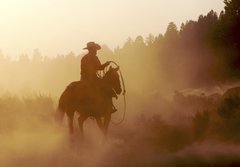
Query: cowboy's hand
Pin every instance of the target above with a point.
(107, 63)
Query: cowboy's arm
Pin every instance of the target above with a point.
(104, 65)
(101, 66)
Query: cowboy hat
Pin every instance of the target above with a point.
(92, 45)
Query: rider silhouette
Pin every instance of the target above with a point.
(90, 64)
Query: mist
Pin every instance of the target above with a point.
(156, 132)
(182, 100)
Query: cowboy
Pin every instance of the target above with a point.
(90, 64)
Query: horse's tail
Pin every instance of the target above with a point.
(65, 101)
(60, 109)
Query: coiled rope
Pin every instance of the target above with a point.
(124, 96)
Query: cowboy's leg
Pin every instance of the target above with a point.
(113, 107)
(112, 94)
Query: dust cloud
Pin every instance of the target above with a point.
(158, 132)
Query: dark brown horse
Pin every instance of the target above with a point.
(89, 101)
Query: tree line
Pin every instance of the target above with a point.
(202, 52)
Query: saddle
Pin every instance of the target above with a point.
(96, 98)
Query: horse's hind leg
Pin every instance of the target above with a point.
(100, 123)
(81, 120)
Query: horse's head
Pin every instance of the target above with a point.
(112, 79)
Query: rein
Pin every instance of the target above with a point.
(124, 96)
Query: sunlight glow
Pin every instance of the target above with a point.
(59, 26)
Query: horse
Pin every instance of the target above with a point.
(90, 102)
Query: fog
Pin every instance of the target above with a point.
(182, 102)
(164, 125)
(156, 132)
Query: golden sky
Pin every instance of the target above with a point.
(61, 26)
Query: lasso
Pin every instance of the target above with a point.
(124, 96)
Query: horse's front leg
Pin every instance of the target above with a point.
(81, 120)
(100, 123)
(70, 115)
(106, 122)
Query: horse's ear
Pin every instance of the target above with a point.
(117, 68)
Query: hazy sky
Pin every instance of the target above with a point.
(61, 26)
